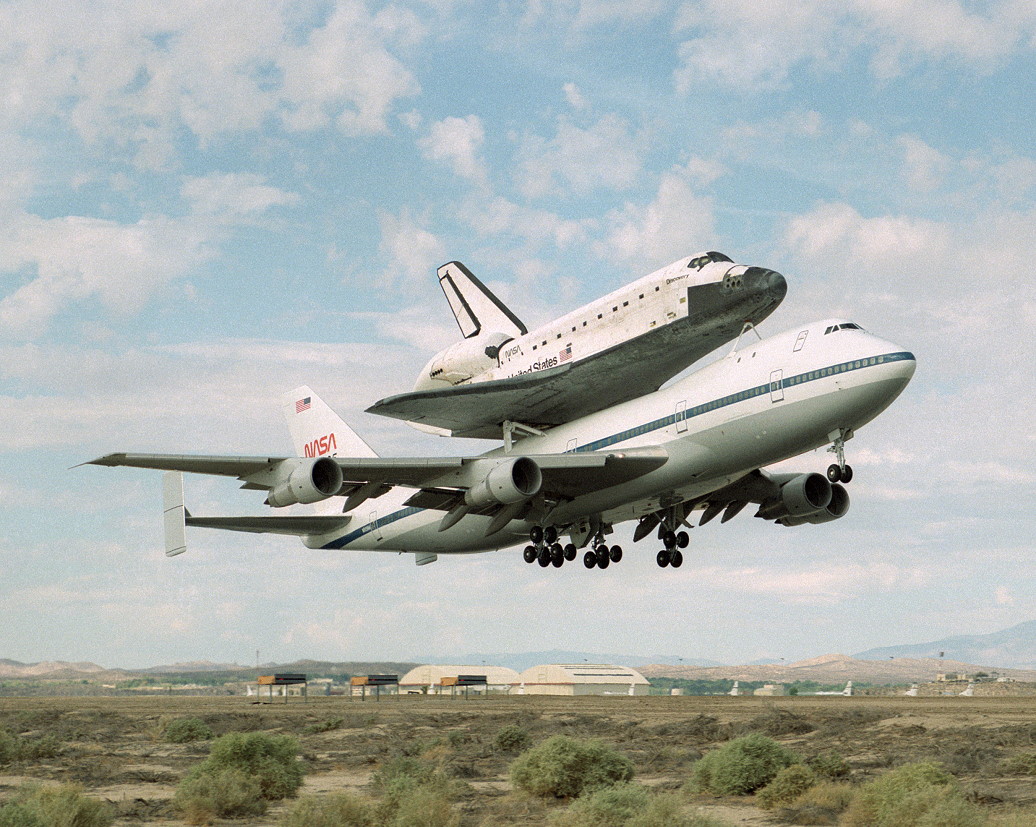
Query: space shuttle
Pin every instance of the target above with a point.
(501, 377)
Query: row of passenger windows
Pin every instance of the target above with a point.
(615, 309)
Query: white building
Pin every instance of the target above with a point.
(428, 678)
(581, 679)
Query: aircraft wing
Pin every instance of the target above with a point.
(293, 526)
(564, 475)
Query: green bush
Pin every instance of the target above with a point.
(786, 786)
(271, 759)
(742, 766)
(424, 806)
(606, 807)
(829, 765)
(243, 772)
(185, 730)
(413, 792)
(562, 767)
(512, 738)
(18, 748)
(54, 806)
(914, 795)
(337, 810)
(665, 810)
(820, 804)
(327, 725)
(227, 792)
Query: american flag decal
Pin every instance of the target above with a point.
(566, 354)
(302, 404)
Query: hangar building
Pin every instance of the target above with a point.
(428, 678)
(581, 679)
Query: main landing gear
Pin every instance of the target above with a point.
(673, 542)
(546, 550)
(839, 471)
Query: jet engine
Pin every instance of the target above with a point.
(460, 361)
(299, 480)
(838, 506)
(800, 496)
(509, 482)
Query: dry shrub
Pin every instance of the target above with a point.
(829, 765)
(513, 738)
(337, 810)
(1017, 817)
(185, 730)
(1022, 764)
(820, 804)
(228, 792)
(54, 806)
(607, 807)
(666, 810)
(741, 766)
(786, 786)
(777, 722)
(562, 767)
(914, 795)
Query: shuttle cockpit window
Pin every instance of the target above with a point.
(698, 262)
(844, 326)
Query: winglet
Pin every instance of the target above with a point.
(174, 513)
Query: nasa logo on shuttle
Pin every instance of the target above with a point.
(321, 446)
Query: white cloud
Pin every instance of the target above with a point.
(411, 252)
(603, 155)
(236, 194)
(678, 221)
(457, 142)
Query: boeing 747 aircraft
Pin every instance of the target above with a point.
(616, 348)
(699, 445)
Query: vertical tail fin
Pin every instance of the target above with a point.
(316, 430)
(474, 306)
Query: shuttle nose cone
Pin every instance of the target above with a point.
(768, 283)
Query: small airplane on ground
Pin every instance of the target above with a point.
(614, 349)
(700, 444)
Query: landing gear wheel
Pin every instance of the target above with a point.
(602, 556)
(529, 555)
(847, 474)
(676, 560)
(662, 558)
(590, 560)
(615, 554)
(603, 562)
(669, 538)
(544, 558)
(570, 552)
(550, 535)
(536, 535)
(557, 555)
(683, 539)
(834, 473)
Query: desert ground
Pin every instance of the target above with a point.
(115, 747)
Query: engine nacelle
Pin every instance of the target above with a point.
(461, 361)
(509, 482)
(800, 496)
(838, 507)
(304, 481)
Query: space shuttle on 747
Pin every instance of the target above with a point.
(619, 347)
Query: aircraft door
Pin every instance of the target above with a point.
(375, 526)
(681, 416)
(776, 385)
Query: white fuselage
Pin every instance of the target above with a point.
(769, 401)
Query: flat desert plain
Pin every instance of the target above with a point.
(116, 749)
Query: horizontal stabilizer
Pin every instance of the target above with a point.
(294, 526)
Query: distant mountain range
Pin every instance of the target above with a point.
(1013, 648)
(520, 661)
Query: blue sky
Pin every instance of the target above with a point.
(204, 205)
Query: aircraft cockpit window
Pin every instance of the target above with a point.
(846, 326)
(700, 261)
